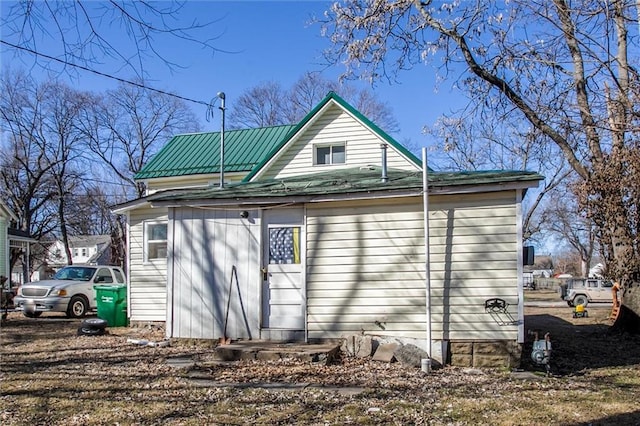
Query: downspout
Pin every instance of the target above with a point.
(427, 268)
(520, 269)
(383, 149)
(222, 97)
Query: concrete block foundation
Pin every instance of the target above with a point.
(485, 354)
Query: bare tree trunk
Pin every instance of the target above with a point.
(63, 232)
(119, 244)
(628, 319)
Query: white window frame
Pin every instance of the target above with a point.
(330, 146)
(147, 241)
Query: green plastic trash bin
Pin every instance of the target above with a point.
(112, 304)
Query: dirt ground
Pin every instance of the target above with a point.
(51, 376)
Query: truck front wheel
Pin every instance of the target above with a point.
(78, 307)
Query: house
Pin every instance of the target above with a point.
(15, 244)
(85, 249)
(539, 275)
(20, 245)
(324, 238)
(6, 216)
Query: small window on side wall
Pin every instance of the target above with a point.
(155, 240)
(329, 154)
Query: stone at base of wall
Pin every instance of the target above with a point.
(500, 353)
(156, 325)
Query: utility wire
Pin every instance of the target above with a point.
(122, 80)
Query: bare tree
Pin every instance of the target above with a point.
(472, 141)
(26, 178)
(269, 104)
(82, 34)
(62, 139)
(261, 106)
(41, 173)
(564, 220)
(561, 67)
(127, 126)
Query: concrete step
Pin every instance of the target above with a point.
(271, 351)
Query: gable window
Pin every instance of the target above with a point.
(329, 154)
(155, 237)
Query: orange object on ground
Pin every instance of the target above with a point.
(615, 310)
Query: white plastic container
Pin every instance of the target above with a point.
(426, 365)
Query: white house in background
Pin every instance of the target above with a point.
(85, 249)
(6, 216)
(324, 238)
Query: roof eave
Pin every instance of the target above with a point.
(8, 211)
(378, 193)
(129, 205)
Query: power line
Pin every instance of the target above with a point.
(122, 80)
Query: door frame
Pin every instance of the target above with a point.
(293, 216)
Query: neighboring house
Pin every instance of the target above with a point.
(6, 216)
(20, 244)
(85, 249)
(13, 242)
(540, 274)
(325, 238)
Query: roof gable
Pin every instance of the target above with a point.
(331, 99)
(199, 153)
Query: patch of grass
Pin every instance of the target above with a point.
(544, 295)
(48, 375)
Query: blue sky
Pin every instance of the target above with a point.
(267, 41)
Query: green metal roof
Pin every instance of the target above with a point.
(347, 181)
(199, 153)
(333, 96)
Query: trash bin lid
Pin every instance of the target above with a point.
(112, 288)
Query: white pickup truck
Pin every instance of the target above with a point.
(70, 291)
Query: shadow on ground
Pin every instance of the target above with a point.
(631, 419)
(577, 347)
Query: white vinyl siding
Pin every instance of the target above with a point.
(335, 127)
(365, 270)
(147, 280)
(474, 257)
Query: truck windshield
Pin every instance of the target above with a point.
(75, 273)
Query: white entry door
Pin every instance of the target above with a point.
(283, 295)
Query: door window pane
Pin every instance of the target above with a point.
(284, 245)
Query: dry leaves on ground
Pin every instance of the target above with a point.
(49, 375)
